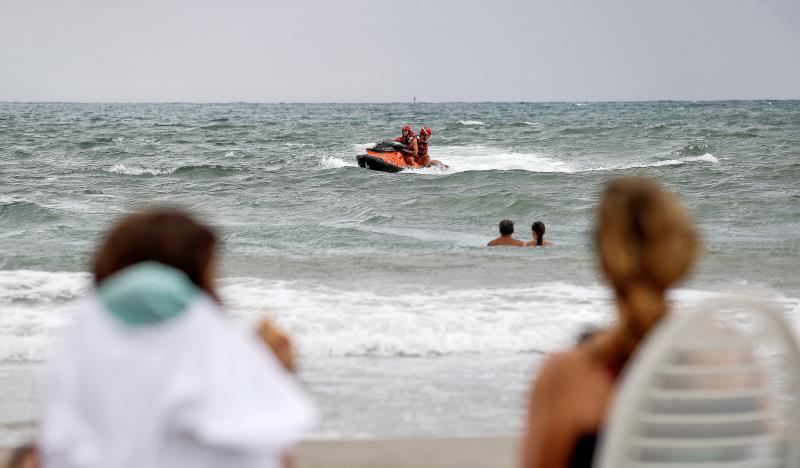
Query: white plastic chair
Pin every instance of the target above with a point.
(714, 387)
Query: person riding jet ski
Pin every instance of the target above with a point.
(422, 157)
(404, 152)
(410, 141)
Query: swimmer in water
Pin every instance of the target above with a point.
(537, 235)
(506, 230)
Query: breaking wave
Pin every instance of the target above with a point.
(326, 321)
(332, 162)
(124, 169)
(133, 170)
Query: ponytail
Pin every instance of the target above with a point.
(538, 228)
(644, 305)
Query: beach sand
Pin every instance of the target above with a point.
(458, 452)
(455, 452)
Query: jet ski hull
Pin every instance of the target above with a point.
(385, 162)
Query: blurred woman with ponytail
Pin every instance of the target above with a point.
(645, 242)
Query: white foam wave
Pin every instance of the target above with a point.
(532, 124)
(8, 199)
(708, 157)
(36, 305)
(42, 286)
(138, 170)
(471, 122)
(482, 158)
(324, 321)
(332, 162)
(477, 158)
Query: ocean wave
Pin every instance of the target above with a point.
(43, 287)
(19, 151)
(208, 169)
(469, 123)
(694, 149)
(483, 158)
(332, 162)
(705, 158)
(95, 142)
(124, 169)
(539, 163)
(585, 130)
(14, 211)
(326, 321)
(708, 157)
(211, 169)
(221, 126)
(176, 124)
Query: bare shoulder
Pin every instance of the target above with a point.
(559, 368)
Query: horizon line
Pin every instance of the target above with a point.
(630, 101)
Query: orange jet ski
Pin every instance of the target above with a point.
(385, 156)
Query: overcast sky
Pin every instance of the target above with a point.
(379, 51)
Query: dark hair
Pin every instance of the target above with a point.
(165, 235)
(538, 228)
(506, 227)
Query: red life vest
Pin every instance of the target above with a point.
(408, 139)
(422, 147)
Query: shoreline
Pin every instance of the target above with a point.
(450, 396)
(413, 452)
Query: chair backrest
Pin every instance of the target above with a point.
(714, 387)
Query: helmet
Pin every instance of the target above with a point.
(406, 128)
(425, 131)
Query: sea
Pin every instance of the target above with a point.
(404, 322)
